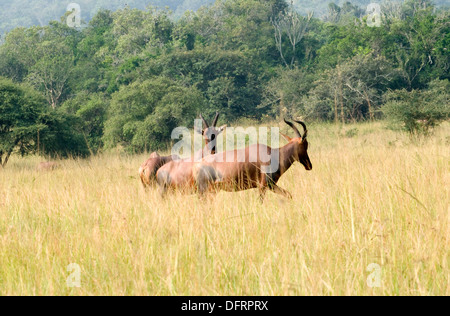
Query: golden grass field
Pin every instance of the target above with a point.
(373, 196)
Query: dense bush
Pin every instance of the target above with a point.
(27, 125)
(62, 136)
(20, 108)
(419, 111)
(143, 115)
(91, 111)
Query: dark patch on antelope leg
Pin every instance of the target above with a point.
(275, 188)
(283, 192)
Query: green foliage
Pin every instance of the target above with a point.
(418, 112)
(27, 126)
(51, 71)
(20, 108)
(62, 136)
(134, 72)
(287, 90)
(228, 79)
(91, 110)
(27, 13)
(351, 91)
(143, 115)
(419, 46)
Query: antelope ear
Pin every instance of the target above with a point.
(286, 137)
(198, 130)
(154, 155)
(222, 128)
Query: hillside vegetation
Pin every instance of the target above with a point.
(26, 13)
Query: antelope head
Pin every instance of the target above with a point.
(299, 144)
(210, 133)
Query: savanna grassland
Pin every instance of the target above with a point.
(373, 196)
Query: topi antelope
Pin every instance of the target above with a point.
(215, 172)
(178, 173)
(147, 171)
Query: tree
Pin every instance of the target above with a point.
(367, 77)
(42, 56)
(11, 66)
(418, 112)
(417, 42)
(28, 126)
(143, 114)
(18, 52)
(228, 79)
(20, 108)
(51, 72)
(284, 93)
(137, 30)
(352, 90)
(91, 112)
(292, 25)
(62, 136)
(239, 25)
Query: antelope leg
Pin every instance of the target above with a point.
(276, 189)
(262, 194)
(205, 178)
(163, 183)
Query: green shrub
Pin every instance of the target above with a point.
(418, 112)
(143, 114)
(28, 125)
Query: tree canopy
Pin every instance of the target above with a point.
(27, 126)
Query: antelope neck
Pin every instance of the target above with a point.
(287, 156)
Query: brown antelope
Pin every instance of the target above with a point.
(178, 173)
(215, 172)
(147, 171)
(47, 166)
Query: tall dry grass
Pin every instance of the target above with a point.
(373, 196)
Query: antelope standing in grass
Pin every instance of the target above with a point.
(215, 172)
(147, 171)
(179, 173)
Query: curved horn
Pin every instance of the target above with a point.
(297, 133)
(305, 133)
(215, 119)
(205, 124)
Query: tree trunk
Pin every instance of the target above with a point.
(371, 116)
(3, 164)
(336, 115)
(341, 96)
